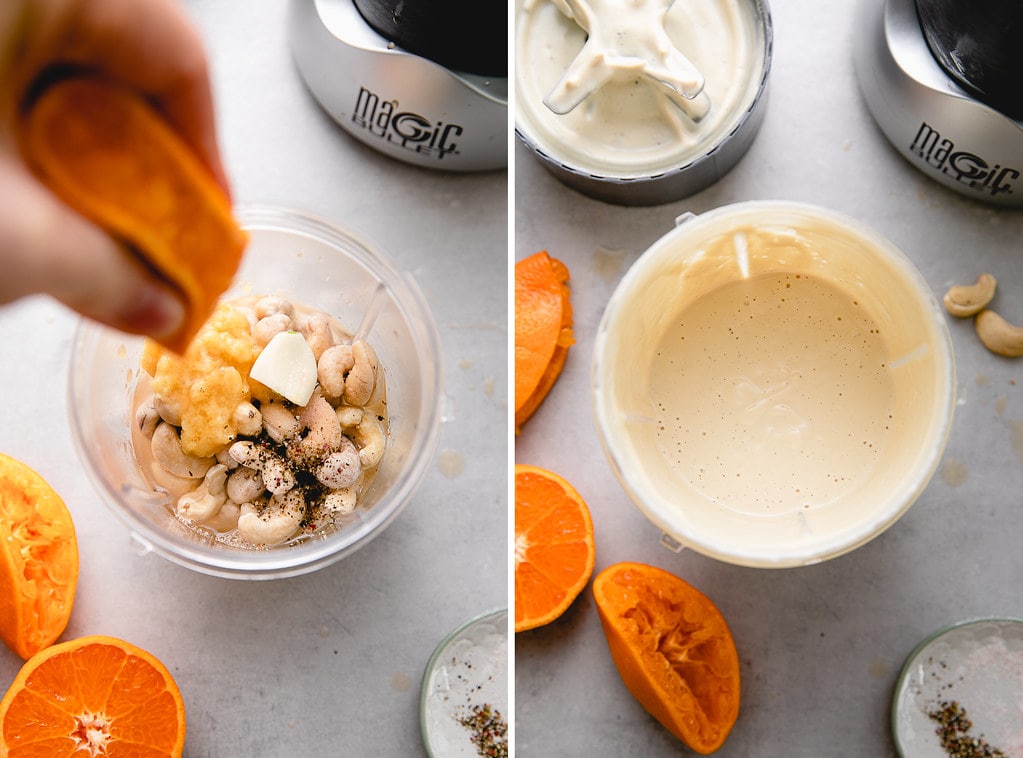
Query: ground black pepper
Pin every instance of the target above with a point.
(954, 731)
(489, 732)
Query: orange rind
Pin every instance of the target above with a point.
(543, 330)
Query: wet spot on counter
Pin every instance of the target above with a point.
(1016, 430)
(451, 463)
(879, 668)
(953, 472)
(608, 264)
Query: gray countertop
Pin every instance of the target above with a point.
(329, 663)
(821, 646)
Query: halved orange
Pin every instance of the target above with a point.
(38, 560)
(91, 697)
(673, 649)
(543, 330)
(104, 150)
(554, 546)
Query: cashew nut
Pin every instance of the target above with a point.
(324, 434)
(168, 412)
(278, 477)
(245, 484)
(361, 380)
(274, 522)
(205, 501)
(349, 416)
(247, 419)
(341, 468)
(368, 436)
(166, 448)
(280, 423)
(336, 361)
(223, 456)
(175, 486)
(341, 501)
(272, 304)
(146, 419)
(998, 335)
(226, 518)
(318, 333)
(967, 300)
(270, 326)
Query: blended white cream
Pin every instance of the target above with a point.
(773, 385)
(772, 394)
(637, 101)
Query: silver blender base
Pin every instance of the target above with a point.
(394, 101)
(939, 128)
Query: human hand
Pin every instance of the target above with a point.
(45, 247)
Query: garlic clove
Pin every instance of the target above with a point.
(287, 366)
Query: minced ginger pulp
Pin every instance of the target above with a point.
(208, 382)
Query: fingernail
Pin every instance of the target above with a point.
(155, 312)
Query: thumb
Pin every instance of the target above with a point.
(47, 248)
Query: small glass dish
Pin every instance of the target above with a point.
(463, 700)
(320, 265)
(964, 681)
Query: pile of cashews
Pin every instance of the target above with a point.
(290, 466)
(995, 333)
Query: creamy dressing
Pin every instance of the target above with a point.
(773, 384)
(772, 394)
(630, 100)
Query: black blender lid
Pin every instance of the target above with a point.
(977, 44)
(468, 36)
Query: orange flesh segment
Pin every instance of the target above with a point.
(97, 687)
(554, 546)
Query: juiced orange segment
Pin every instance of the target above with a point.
(673, 649)
(108, 154)
(543, 330)
(38, 560)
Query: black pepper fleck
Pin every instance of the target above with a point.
(488, 730)
(954, 731)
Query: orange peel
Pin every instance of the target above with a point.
(543, 330)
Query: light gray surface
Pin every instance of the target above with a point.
(820, 647)
(327, 664)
